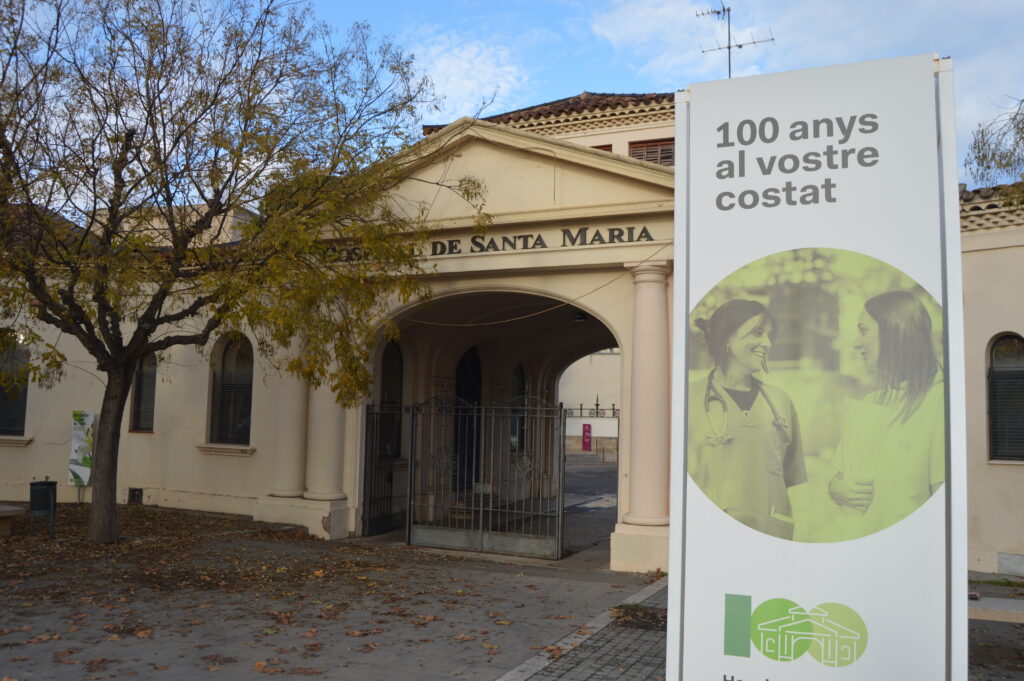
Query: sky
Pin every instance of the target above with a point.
(499, 56)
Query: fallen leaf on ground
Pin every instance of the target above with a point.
(554, 652)
(465, 637)
(4, 632)
(64, 656)
(97, 664)
(42, 637)
(363, 632)
(263, 667)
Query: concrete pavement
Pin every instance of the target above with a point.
(609, 650)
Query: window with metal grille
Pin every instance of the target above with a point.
(1006, 398)
(662, 152)
(144, 394)
(13, 386)
(232, 394)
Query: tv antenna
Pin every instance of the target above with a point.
(726, 13)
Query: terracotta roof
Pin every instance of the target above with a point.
(585, 101)
(991, 207)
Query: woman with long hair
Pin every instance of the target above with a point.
(743, 444)
(892, 452)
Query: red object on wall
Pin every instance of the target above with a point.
(586, 437)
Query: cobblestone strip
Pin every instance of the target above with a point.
(537, 663)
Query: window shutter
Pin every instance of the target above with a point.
(1006, 398)
(13, 403)
(14, 397)
(1006, 413)
(144, 394)
(661, 152)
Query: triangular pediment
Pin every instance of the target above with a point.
(528, 177)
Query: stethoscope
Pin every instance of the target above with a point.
(712, 395)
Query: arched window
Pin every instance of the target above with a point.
(232, 394)
(1006, 398)
(13, 386)
(391, 374)
(392, 367)
(144, 394)
(519, 383)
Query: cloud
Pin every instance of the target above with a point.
(468, 74)
(661, 40)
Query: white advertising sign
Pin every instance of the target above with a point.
(818, 448)
(83, 431)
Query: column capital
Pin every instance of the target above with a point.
(649, 270)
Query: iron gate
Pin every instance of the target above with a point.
(382, 511)
(487, 478)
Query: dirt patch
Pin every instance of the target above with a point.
(641, 617)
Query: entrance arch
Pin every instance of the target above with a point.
(485, 464)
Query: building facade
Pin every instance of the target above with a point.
(458, 432)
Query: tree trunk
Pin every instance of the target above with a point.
(107, 441)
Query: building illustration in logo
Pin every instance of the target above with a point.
(832, 633)
(831, 643)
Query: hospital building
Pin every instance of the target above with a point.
(462, 440)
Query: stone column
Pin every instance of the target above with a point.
(325, 446)
(292, 397)
(650, 397)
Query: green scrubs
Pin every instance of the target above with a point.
(745, 461)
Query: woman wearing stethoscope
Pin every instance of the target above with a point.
(743, 444)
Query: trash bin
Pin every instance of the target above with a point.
(42, 501)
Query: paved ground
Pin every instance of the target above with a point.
(620, 645)
(633, 648)
(204, 596)
(590, 500)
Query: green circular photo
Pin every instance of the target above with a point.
(816, 397)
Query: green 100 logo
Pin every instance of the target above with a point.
(833, 633)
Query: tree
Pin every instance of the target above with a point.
(996, 153)
(175, 169)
